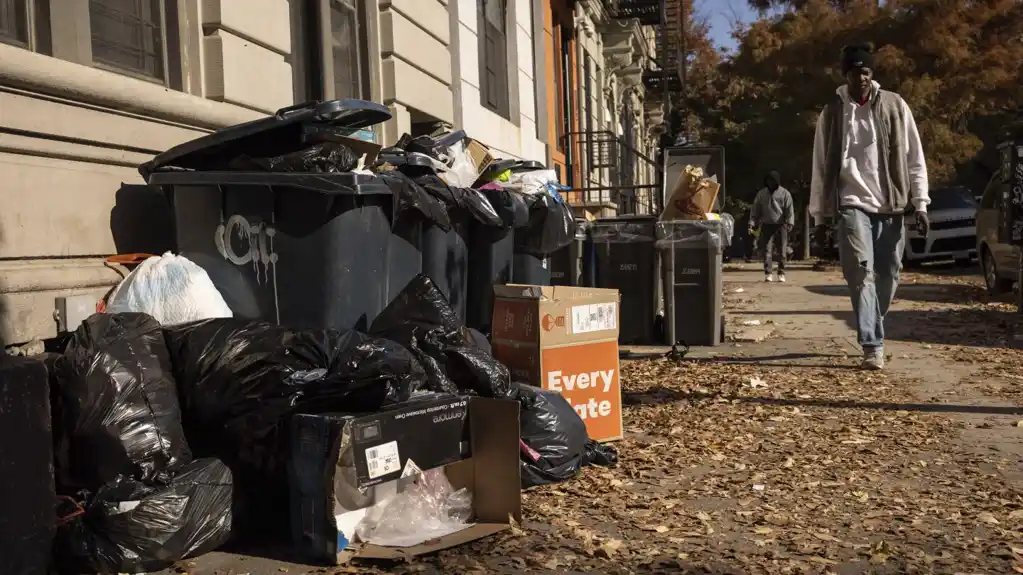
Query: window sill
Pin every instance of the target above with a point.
(89, 85)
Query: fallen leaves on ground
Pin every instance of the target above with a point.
(819, 470)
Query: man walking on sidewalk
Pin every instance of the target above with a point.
(772, 211)
(868, 172)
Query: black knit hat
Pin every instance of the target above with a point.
(772, 175)
(857, 56)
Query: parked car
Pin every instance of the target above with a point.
(953, 235)
(999, 261)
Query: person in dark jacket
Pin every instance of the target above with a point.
(774, 213)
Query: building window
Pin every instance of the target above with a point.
(330, 53)
(134, 37)
(493, 50)
(588, 91)
(346, 33)
(14, 22)
(128, 35)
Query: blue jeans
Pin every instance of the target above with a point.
(870, 246)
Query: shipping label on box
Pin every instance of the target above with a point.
(564, 339)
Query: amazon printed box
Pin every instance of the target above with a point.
(341, 465)
(564, 339)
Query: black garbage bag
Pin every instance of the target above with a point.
(135, 527)
(468, 199)
(325, 158)
(551, 226)
(553, 437)
(600, 454)
(116, 410)
(510, 206)
(241, 380)
(453, 356)
(411, 199)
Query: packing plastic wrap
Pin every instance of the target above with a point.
(727, 229)
(420, 319)
(690, 234)
(461, 171)
(554, 444)
(172, 289)
(116, 410)
(134, 527)
(532, 182)
(428, 509)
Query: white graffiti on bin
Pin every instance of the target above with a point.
(258, 238)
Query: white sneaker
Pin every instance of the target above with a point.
(769, 278)
(781, 278)
(873, 360)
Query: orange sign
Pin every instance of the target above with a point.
(587, 376)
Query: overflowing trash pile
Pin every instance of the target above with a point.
(197, 408)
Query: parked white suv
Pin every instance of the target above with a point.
(953, 235)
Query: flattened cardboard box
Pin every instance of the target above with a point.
(342, 464)
(564, 339)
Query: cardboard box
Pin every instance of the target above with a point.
(480, 154)
(564, 339)
(692, 197)
(343, 464)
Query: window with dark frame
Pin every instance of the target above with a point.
(493, 54)
(14, 22)
(346, 33)
(567, 101)
(129, 35)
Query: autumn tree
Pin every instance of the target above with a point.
(957, 63)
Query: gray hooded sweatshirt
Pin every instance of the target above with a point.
(773, 207)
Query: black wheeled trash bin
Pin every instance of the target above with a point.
(569, 265)
(550, 228)
(491, 255)
(625, 260)
(271, 210)
(691, 259)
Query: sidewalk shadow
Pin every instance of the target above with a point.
(965, 327)
(918, 292)
(661, 395)
(142, 221)
(773, 360)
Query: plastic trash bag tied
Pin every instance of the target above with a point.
(454, 357)
(172, 289)
(116, 410)
(133, 527)
(555, 445)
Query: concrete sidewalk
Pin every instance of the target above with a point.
(811, 323)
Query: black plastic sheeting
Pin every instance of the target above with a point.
(468, 199)
(240, 382)
(325, 158)
(116, 410)
(411, 198)
(456, 358)
(551, 226)
(134, 527)
(554, 445)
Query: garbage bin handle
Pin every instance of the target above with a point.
(283, 112)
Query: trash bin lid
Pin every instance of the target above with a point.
(281, 133)
(527, 166)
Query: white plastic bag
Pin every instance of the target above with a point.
(532, 182)
(461, 171)
(426, 510)
(172, 289)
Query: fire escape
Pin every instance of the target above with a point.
(616, 173)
